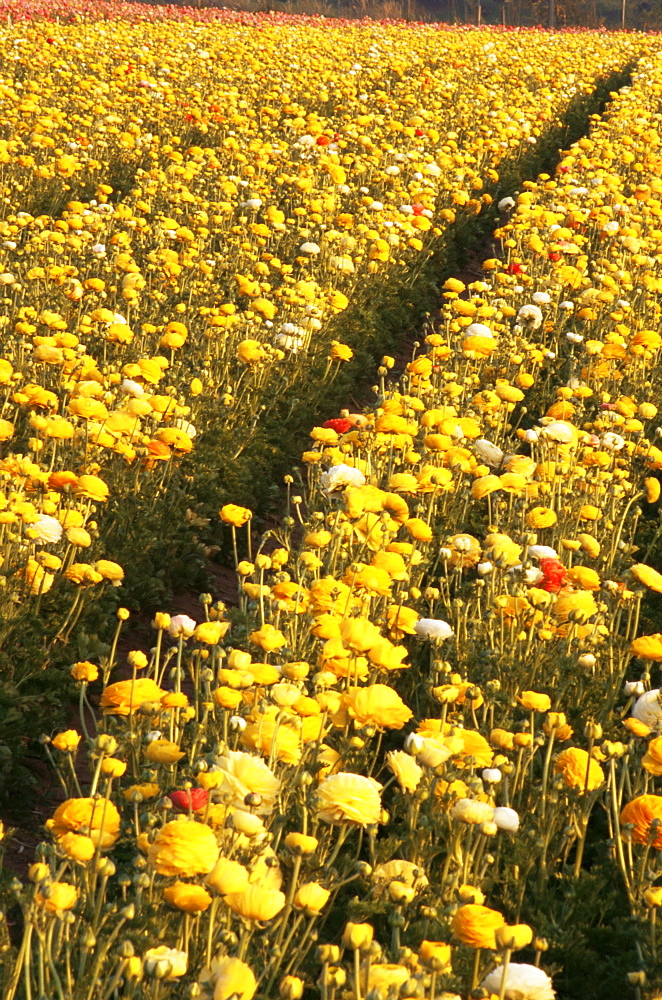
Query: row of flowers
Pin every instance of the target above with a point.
(253, 208)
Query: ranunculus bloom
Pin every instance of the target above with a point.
(648, 576)
(231, 513)
(378, 705)
(535, 702)
(126, 697)
(233, 978)
(228, 876)
(349, 798)
(168, 963)
(66, 741)
(652, 759)
(472, 811)
(187, 896)
(183, 847)
(256, 903)
(77, 846)
(163, 752)
(241, 774)
(475, 925)
(189, 798)
(648, 709)
(405, 769)
(523, 982)
(648, 647)
(579, 770)
(311, 897)
(58, 896)
(641, 812)
(99, 816)
(434, 629)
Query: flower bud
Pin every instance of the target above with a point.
(357, 936)
(514, 937)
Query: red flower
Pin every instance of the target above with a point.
(514, 269)
(554, 255)
(554, 575)
(338, 424)
(418, 209)
(322, 140)
(193, 798)
(419, 131)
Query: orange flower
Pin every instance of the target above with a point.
(126, 697)
(183, 847)
(652, 759)
(476, 925)
(641, 812)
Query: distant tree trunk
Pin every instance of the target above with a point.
(552, 14)
(622, 15)
(479, 14)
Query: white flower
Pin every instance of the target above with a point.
(634, 687)
(185, 425)
(478, 330)
(541, 298)
(288, 343)
(560, 431)
(131, 388)
(611, 227)
(181, 625)
(523, 982)
(568, 306)
(7, 278)
(574, 338)
(488, 453)
(433, 628)
(392, 171)
(531, 435)
(588, 660)
(340, 476)
(309, 248)
(252, 203)
(506, 819)
(99, 248)
(484, 568)
(542, 552)
(154, 734)
(648, 709)
(46, 529)
(414, 744)
(376, 206)
(612, 442)
(406, 209)
(433, 170)
(237, 723)
(432, 754)
(492, 775)
(505, 204)
(531, 315)
(533, 576)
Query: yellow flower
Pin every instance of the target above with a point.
(349, 798)
(268, 638)
(311, 897)
(67, 741)
(378, 705)
(99, 816)
(535, 702)
(256, 902)
(183, 847)
(163, 752)
(58, 896)
(405, 769)
(228, 876)
(112, 767)
(126, 697)
(340, 352)
(579, 770)
(147, 790)
(299, 843)
(513, 937)
(648, 576)
(652, 759)
(77, 846)
(233, 978)
(187, 896)
(211, 632)
(232, 514)
(435, 954)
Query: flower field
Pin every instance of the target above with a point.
(417, 757)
